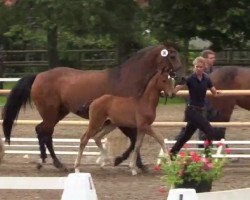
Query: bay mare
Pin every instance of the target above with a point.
(61, 90)
(229, 78)
(133, 112)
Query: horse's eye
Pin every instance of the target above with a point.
(164, 81)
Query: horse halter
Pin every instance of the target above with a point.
(165, 53)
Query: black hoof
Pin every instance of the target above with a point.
(7, 140)
(58, 164)
(71, 170)
(143, 168)
(39, 166)
(118, 161)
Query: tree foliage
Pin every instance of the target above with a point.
(224, 23)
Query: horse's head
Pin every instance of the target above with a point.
(168, 58)
(165, 83)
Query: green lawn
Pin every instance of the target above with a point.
(175, 100)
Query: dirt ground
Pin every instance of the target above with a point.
(114, 183)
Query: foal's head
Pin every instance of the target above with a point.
(165, 83)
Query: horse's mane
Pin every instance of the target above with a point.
(136, 56)
(141, 92)
(115, 72)
(131, 62)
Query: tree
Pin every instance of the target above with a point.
(224, 23)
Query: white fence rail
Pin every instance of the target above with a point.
(62, 146)
(239, 149)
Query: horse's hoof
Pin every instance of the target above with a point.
(98, 160)
(39, 166)
(71, 170)
(58, 164)
(64, 169)
(134, 172)
(144, 169)
(77, 170)
(118, 161)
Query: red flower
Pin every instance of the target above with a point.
(157, 168)
(207, 143)
(193, 153)
(162, 190)
(195, 158)
(227, 150)
(182, 154)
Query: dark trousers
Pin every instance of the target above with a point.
(195, 120)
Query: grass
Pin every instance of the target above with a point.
(174, 101)
(6, 85)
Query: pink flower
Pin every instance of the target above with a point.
(210, 165)
(205, 160)
(157, 168)
(219, 144)
(227, 150)
(187, 145)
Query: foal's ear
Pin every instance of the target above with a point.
(162, 70)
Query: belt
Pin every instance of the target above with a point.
(196, 107)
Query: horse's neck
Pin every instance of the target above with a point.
(132, 79)
(151, 95)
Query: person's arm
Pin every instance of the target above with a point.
(212, 88)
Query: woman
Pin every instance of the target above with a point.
(198, 83)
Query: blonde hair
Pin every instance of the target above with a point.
(200, 60)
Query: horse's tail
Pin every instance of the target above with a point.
(18, 97)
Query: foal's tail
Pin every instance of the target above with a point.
(18, 97)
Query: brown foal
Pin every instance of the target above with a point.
(134, 112)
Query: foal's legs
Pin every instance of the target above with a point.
(160, 139)
(83, 142)
(139, 140)
(91, 131)
(98, 140)
(96, 122)
(131, 133)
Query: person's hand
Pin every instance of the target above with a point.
(218, 93)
